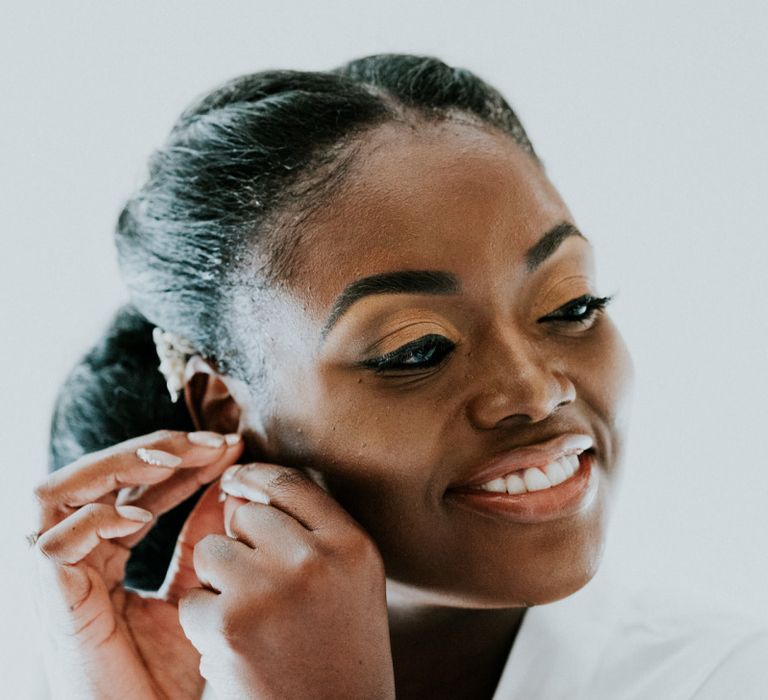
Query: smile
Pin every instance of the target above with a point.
(562, 488)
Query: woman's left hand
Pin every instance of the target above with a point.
(295, 598)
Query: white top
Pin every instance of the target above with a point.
(607, 643)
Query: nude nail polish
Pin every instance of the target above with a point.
(158, 458)
(206, 438)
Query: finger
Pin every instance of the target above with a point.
(206, 518)
(289, 490)
(199, 616)
(75, 537)
(266, 528)
(145, 460)
(62, 549)
(220, 562)
(161, 497)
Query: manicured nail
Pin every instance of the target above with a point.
(129, 493)
(158, 458)
(206, 438)
(232, 439)
(222, 496)
(230, 472)
(233, 488)
(135, 513)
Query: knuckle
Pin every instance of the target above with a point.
(46, 492)
(233, 626)
(205, 544)
(360, 548)
(45, 546)
(185, 602)
(286, 477)
(42, 492)
(306, 561)
(198, 616)
(92, 512)
(210, 547)
(186, 607)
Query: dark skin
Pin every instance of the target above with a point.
(465, 199)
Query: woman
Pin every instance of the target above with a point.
(398, 372)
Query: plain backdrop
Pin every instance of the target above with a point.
(650, 117)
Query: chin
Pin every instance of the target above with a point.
(553, 566)
(546, 580)
(559, 587)
(559, 573)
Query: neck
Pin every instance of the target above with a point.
(449, 652)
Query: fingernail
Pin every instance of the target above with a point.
(230, 472)
(233, 488)
(135, 513)
(158, 458)
(205, 438)
(232, 439)
(129, 493)
(222, 496)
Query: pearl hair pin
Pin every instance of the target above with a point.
(173, 351)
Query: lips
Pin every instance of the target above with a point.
(570, 498)
(526, 457)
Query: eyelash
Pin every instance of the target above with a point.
(394, 360)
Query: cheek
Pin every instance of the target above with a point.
(372, 447)
(376, 439)
(603, 373)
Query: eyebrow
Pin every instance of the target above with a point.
(436, 281)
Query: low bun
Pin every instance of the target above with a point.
(114, 393)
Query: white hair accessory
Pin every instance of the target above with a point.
(173, 351)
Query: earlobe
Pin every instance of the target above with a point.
(209, 400)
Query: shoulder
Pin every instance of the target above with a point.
(669, 637)
(632, 642)
(742, 671)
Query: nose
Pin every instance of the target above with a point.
(521, 384)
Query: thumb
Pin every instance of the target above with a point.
(207, 517)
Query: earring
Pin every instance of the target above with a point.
(173, 351)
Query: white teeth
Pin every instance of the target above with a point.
(535, 479)
(497, 486)
(556, 473)
(573, 463)
(515, 484)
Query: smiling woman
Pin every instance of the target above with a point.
(399, 373)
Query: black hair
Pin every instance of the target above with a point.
(242, 169)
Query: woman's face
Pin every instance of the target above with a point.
(488, 367)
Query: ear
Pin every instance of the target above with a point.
(209, 399)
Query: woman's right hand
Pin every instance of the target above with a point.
(103, 640)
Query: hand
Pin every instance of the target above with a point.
(104, 641)
(294, 604)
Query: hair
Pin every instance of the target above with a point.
(242, 169)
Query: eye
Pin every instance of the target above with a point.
(425, 352)
(581, 310)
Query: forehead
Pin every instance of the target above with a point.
(451, 196)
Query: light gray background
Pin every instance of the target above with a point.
(651, 118)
